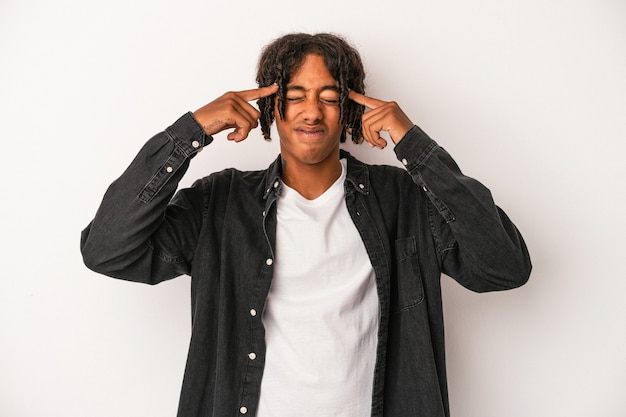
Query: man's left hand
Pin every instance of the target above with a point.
(383, 116)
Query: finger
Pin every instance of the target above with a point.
(242, 126)
(245, 117)
(369, 102)
(238, 134)
(250, 113)
(373, 124)
(257, 93)
(243, 110)
(370, 135)
(373, 137)
(241, 132)
(389, 118)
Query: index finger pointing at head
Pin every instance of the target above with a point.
(369, 102)
(257, 93)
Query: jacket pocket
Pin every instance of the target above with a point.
(407, 289)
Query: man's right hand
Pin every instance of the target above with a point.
(232, 110)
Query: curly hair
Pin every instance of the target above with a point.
(281, 58)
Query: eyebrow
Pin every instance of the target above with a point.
(324, 88)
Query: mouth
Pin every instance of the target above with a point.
(311, 133)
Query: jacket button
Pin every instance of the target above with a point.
(404, 162)
(252, 356)
(243, 410)
(269, 261)
(195, 144)
(169, 169)
(253, 312)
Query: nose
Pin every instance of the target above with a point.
(312, 111)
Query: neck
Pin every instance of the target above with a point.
(311, 181)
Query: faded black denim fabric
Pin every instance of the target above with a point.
(221, 232)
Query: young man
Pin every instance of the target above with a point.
(316, 282)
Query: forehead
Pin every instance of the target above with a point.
(312, 72)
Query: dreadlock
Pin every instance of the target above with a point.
(282, 57)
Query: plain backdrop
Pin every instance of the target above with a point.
(528, 96)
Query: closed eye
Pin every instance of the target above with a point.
(327, 101)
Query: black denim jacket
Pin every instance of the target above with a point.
(221, 232)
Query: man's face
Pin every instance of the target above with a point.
(310, 132)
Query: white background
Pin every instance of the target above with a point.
(528, 96)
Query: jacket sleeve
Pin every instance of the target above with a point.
(139, 232)
(477, 243)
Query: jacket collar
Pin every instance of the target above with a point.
(357, 176)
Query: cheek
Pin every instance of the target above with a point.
(331, 116)
(280, 127)
(332, 113)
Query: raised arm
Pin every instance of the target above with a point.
(478, 244)
(139, 232)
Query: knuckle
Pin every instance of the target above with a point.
(231, 96)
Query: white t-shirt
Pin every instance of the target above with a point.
(321, 316)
